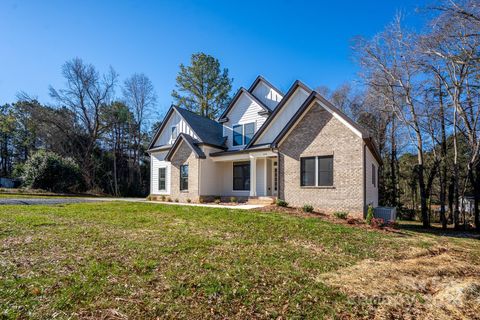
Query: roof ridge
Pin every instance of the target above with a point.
(261, 78)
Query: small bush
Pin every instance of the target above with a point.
(217, 201)
(169, 199)
(307, 208)
(176, 199)
(163, 198)
(282, 203)
(149, 198)
(341, 214)
(189, 200)
(370, 214)
(233, 199)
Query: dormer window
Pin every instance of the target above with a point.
(243, 133)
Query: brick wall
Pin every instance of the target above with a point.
(318, 133)
(184, 155)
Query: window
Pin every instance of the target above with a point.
(374, 175)
(249, 130)
(241, 176)
(243, 133)
(162, 178)
(316, 171)
(325, 171)
(307, 171)
(184, 177)
(238, 135)
(174, 132)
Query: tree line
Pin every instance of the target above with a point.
(418, 92)
(105, 134)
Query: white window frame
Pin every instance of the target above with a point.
(165, 178)
(243, 132)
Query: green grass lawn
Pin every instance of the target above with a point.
(142, 260)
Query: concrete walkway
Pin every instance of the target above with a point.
(65, 200)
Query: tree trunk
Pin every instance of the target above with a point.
(443, 164)
(393, 160)
(423, 197)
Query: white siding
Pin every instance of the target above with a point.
(371, 196)
(157, 160)
(269, 96)
(244, 111)
(182, 127)
(282, 118)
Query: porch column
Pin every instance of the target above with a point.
(253, 176)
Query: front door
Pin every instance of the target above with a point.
(275, 178)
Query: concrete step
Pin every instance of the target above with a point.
(262, 200)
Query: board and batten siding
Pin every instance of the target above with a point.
(244, 111)
(282, 118)
(371, 196)
(267, 95)
(157, 160)
(175, 119)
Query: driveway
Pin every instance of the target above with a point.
(53, 200)
(47, 201)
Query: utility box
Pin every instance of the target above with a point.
(386, 213)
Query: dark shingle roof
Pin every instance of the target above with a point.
(190, 142)
(208, 131)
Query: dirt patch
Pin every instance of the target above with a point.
(439, 283)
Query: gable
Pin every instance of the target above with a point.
(283, 115)
(267, 94)
(164, 136)
(245, 110)
(316, 99)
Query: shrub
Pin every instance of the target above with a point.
(169, 199)
(163, 198)
(176, 199)
(341, 214)
(369, 214)
(189, 200)
(50, 171)
(307, 208)
(282, 203)
(233, 199)
(149, 198)
(217, 201)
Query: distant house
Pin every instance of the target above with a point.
(295, 146)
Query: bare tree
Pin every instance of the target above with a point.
(140, 97)
(84, 93)
(388, 61)
(453, 52)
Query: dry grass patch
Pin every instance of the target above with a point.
(437, 283)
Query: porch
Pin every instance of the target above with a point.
(253, 175)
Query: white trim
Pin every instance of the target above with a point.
(265, 177)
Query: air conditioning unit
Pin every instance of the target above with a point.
(386, 213)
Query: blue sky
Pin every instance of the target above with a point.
(282, 40)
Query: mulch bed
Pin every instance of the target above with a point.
(354, 222)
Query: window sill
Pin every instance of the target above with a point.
(184, 191)
(317, 187)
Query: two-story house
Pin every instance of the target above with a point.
(295, 146)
